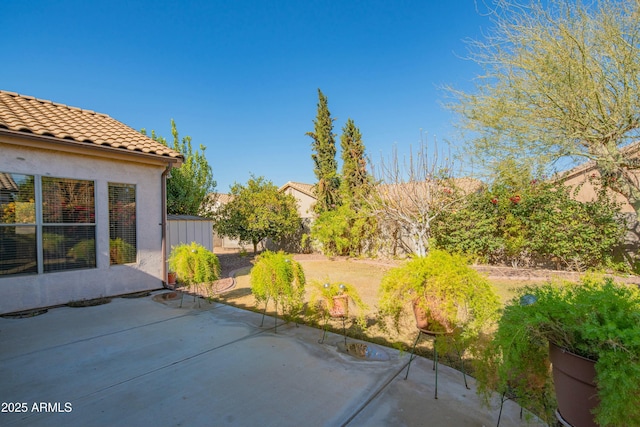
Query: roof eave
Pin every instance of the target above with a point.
(49, 142)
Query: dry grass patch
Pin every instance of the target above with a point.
(365, 276)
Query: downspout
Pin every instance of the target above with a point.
(166, 172)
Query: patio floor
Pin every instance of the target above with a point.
(140, 362)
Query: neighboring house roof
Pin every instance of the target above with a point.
(52, 122)
(465, 185)
(301, 187)
(222, 198)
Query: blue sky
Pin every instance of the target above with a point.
(241, 77)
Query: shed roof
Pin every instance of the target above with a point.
(173, 217)
(26, 115)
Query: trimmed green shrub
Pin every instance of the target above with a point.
(194, 264)
(276, 276)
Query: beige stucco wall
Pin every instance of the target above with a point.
(586, 192)
(305, 202)
(24, 292)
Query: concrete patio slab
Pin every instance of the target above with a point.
(140, 362)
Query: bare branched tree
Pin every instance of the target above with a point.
(412, 193)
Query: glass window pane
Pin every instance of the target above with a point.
(67, 247)
(18, 250)
(67, 201)
(17, 199)
(122, 223)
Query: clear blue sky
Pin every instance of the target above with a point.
(241, 76)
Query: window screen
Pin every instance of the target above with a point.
(122, 223)
(68, 224)
(17, 224)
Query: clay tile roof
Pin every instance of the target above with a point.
(39, 117)
(223, 198)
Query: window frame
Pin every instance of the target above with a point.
(111, 185)
(33, 225)
(40, 224)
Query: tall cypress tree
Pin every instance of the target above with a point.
(324, 158)
(356, 180)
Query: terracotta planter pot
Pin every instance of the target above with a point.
(422, 320)
(340, 306)
(574, 381)
(427, 324)
(171, 278)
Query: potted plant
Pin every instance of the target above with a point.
(195, 265)
(443, 293)
(171, 279)
(276, 276)
(596, 320)
(332, 300)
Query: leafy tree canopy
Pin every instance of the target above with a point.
(560, 80)
(356, 179)
(190, 187)
(324, 158)
(256, 211)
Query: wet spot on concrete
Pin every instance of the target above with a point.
(364, 351)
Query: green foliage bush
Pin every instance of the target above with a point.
(276, 276)
(194, 264)
(597, 319)
(538, 224)
(450, 292)
(344, 231)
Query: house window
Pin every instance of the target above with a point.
(122, 223)
(68, 224)
(46, 224)
(17, 224)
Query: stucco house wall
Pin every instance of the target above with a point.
(47, 140)
(21, 292)
(304, 195)
(579, 179)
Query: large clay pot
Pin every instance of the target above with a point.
(427, 324)
(574, 381)
(422, 320)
